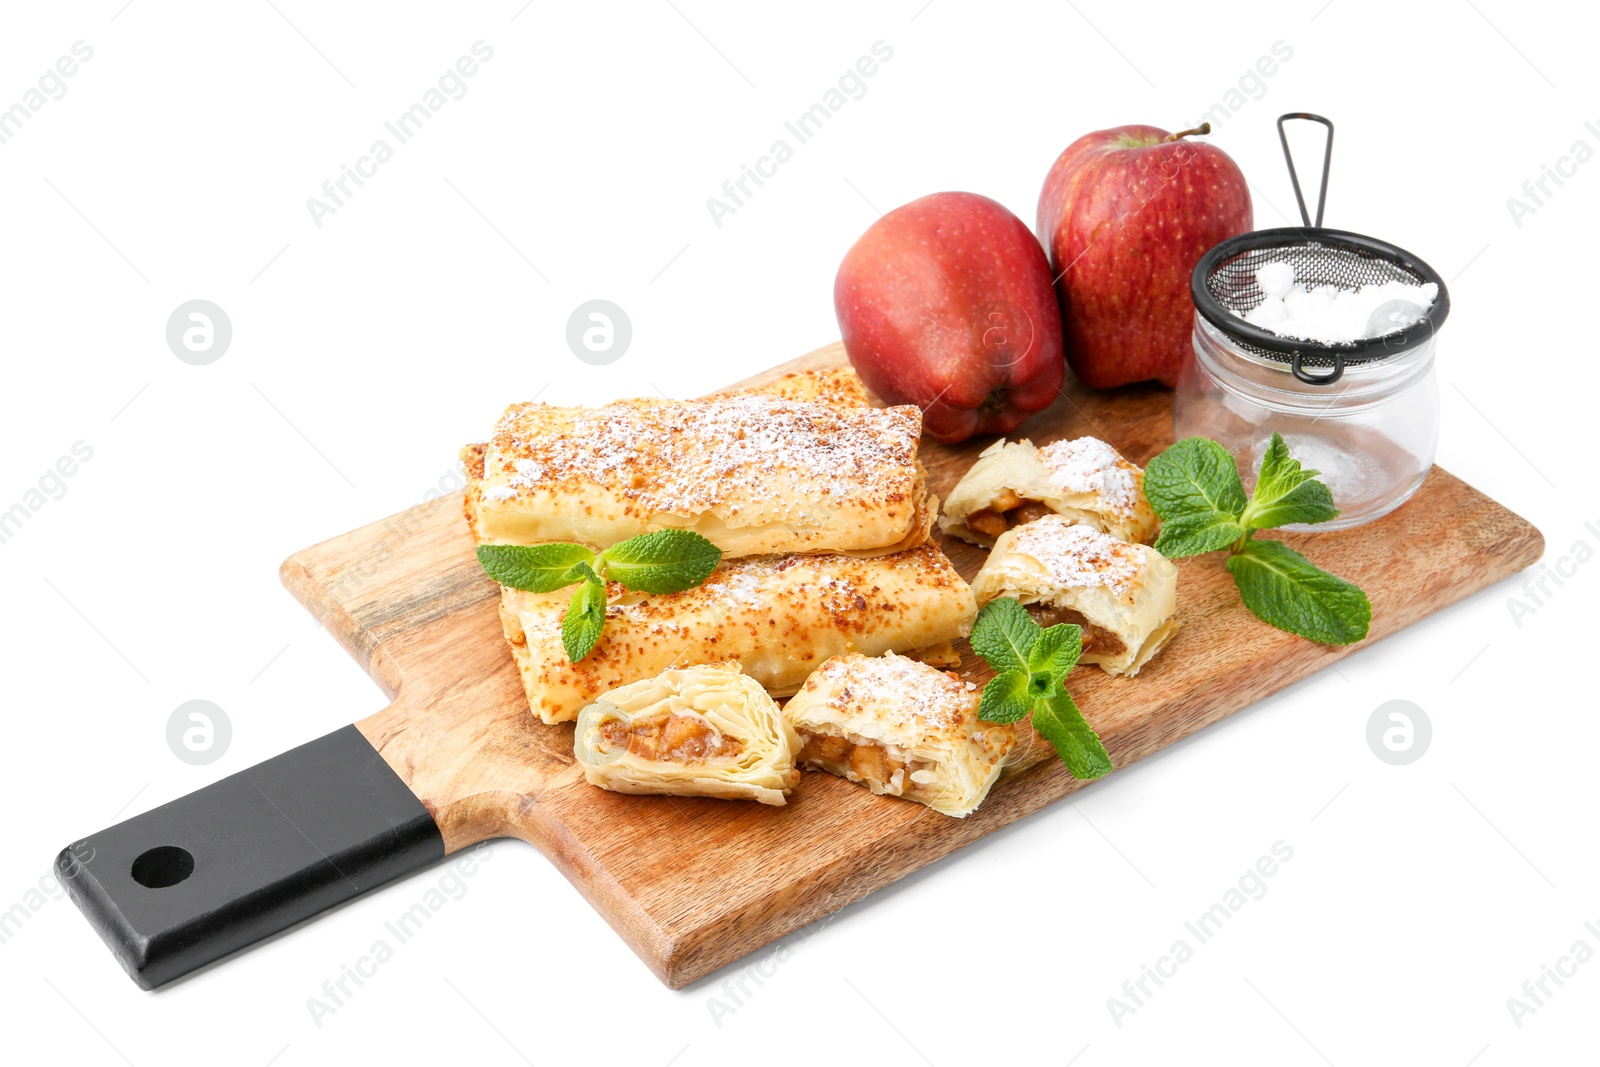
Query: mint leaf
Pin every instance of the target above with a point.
(1063, 725)
(1197, 536)
(1288, 591)
(1286, 493)
(586, 615)
(535, 568)
(1194, 486)
(1056, 651)
(1004, 634)
(666, 561)
(1005, 698)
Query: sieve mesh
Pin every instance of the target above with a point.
(1232, 284)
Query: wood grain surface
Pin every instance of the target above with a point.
(695, 884)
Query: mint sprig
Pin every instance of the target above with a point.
(1195, 488)
(1031, 665)
(666, 561)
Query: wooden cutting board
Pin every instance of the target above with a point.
(691, 884)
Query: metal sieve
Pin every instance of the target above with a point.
(1224, 283)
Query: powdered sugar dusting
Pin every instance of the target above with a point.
(742, 585)
(1089, 465)
(527, 473)
(1079, 556)
(684, 457)
(910, 694)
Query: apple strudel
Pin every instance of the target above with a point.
(1014, 482)
(703, 731)
(1123, 595)
(900, 728)
(777, 617)
(755, 472)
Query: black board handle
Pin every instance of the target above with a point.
(246, 857)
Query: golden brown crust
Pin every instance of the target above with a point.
(839, 386)
(800, 464)
(778, 617)
(472, 462)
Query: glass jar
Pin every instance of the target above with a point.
(1372, 433)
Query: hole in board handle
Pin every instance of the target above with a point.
(162, 866)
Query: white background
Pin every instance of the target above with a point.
(177, 166)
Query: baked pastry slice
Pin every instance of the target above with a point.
(1084, 479)
(1123, 595)
(756, 472)
(777, 617)
(900, 728)
(705, 731)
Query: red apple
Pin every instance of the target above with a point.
(1125, 215)
(946, 303)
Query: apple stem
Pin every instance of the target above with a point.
(1204, 127)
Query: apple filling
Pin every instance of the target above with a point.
(885, 768)
(1007, 510)
(670, 738)
(1096, 639)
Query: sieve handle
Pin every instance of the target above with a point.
(1298, 367)
(1288, 157)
